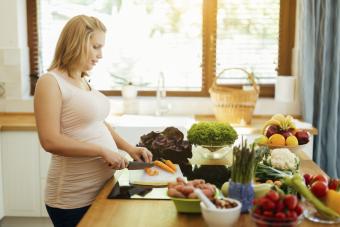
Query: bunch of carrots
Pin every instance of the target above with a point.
(166, 165)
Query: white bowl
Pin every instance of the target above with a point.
(221, 217)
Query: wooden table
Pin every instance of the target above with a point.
(152, 213)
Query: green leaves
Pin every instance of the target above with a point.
(212, 133)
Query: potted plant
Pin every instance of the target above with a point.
(129, 87)
(212, 135)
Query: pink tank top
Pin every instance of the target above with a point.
(74, 182)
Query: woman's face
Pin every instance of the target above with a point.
(97, 41)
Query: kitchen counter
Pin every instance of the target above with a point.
(17, 122)
(126, 213)
(26, 121)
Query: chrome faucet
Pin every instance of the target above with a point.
(162, 106)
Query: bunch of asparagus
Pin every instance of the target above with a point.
(245, 160)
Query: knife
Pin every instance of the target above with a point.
(139, 165)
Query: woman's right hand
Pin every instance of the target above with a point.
(114, 160)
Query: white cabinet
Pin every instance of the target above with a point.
(21, 173)
(2, 211)
(44, 160)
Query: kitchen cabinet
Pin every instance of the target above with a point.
(21, 177)
(2, 211)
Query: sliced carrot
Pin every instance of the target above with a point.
(170, 164)
(163, 166)
(151, 172)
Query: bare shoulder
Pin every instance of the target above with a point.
(47, 83)
(47, 79)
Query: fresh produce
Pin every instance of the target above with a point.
(320, 177)
(308, 178)
(282, 159)
(183, 189)
(245, 160)
(170, 164)
(319, 189)
(302, 136)
(334, 184)
(297, 183)
(281, 131)
(333, 200)
(168, 144)
(279, 124)
(163, 166)
(151, 171)
(275, 207)
(265, 172)
(212, 134)
(259, 189)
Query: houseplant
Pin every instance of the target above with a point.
(129, 87)
(212, 135)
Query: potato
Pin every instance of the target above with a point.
(186, 190)
(174, 193)
(192, 196)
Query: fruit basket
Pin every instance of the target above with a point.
(281, 132)
(291, 148)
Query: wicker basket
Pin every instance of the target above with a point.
(233, 105)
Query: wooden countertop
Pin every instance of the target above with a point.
(152, 213)
(256, 124)
(17, 122)
(26, 121)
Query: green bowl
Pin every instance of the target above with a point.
(187, 205)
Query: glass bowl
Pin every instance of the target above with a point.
(261, 220)
(311, 214)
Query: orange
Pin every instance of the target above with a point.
(277, 140)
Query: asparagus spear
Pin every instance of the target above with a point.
(296, 183)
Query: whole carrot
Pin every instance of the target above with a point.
(170, 164)
(163, 166)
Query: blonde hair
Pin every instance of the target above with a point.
(74, 42)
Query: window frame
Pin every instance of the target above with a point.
(209, 26)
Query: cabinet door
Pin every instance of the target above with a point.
(2, 211)
(45, 159)
(20, 162)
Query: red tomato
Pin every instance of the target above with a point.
(320, 178)
(273, 196)
(308, 178)
(290, 201)
(319, 189)
(333, 184)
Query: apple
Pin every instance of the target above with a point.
(271, 130)
(302, 137)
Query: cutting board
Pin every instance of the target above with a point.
(140, 177)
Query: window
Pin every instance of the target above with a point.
(187, 41)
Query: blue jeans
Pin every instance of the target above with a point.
(66, 217)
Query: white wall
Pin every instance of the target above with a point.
(14, 72)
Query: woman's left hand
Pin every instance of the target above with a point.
(141, 154)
